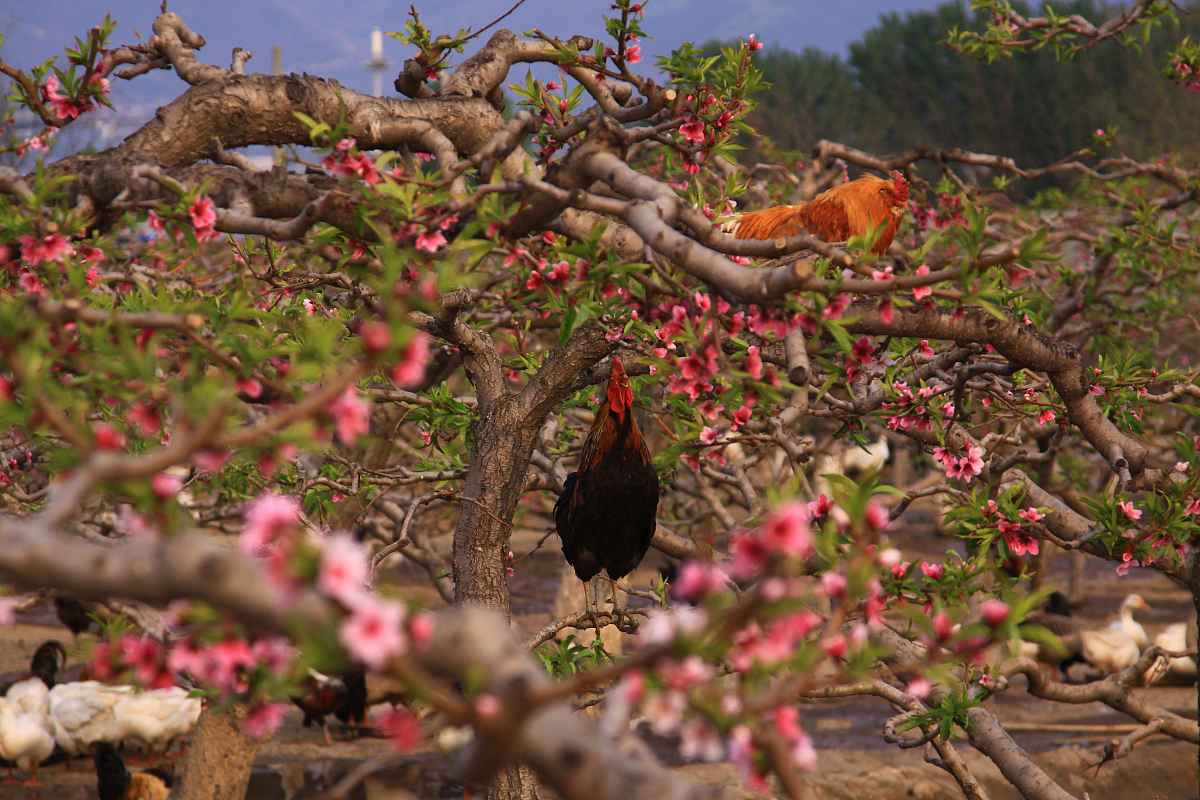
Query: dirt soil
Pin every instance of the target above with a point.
(855, 763)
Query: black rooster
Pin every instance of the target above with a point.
(115, 782)
(606, 513)
(344, 696)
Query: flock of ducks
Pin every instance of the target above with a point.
(1119, 644)
(39, 715)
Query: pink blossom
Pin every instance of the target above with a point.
(693, 131)
(53, 247)
(376, 336)
(890, 557)
(835, 646)
(263, 720)
(351, 415)
(1031, 514)
(920, 688)
(633, 53)
(686, 674)
(107, 437)
(993, 611)
(753, 43)
(166, 485)
(144, 655)
(420, 629)
(786, 530)
(269, 518)
(876, 516)
(750, 554)
(1129, 510)
(203, 213)
(373, 632)
(833, 584)
(275, 653)
(343, 568)
(664, 710)
(933, 570)
(400, 727)
(817, 509)
(211, 461)
(410, 371)
(697, 580)
(1046, 417)
(921, 292)
(699, 741)
(924, 349)
(431, 241)
(754, 364)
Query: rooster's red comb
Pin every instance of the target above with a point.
(900, 186)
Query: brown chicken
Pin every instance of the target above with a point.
(851, 209)
(607, 511)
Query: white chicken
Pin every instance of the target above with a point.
(151, 721)
(82, 714)
(29, 696)
(25, 738)
(1118, 646)
(87, 712)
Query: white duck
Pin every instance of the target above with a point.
(1118, 646)
(1174, 638)
(82, 713)
(152, 720)
(24, 738)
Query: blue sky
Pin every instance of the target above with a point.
(332, 39)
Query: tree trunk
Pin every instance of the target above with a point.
(219, 759)
(503, 444)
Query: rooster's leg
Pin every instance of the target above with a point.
(589, 605)
(618, 611)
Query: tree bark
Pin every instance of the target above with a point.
(219, 759)
(503, 445)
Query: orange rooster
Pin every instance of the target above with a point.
(852, 209)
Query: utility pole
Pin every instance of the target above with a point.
(378, 63)
(277, 69)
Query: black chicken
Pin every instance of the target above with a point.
(115, 782)
(74, 615)
(606, 513)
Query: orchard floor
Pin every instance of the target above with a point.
(855, 763)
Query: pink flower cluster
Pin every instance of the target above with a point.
(53, 247)
(753, 644)
(204, 218)
(64, 107)
(783, 533)
(351, 416)
(947, 213)
(1187, 74)
(1017, 538)
(964, 468)
(346, 160)
(911, 410)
